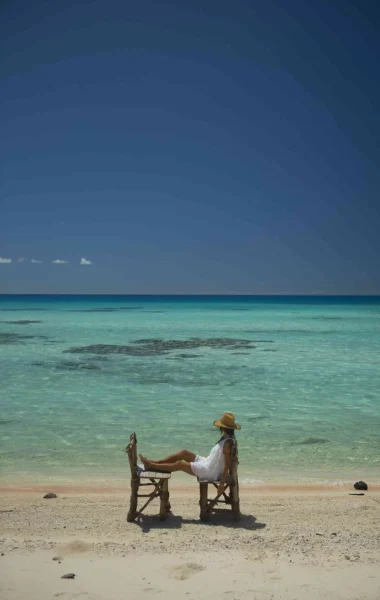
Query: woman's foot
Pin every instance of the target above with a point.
(145, 462)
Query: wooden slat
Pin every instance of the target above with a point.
(154, 475)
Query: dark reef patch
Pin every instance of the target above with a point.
(259, 418)
(322, 318)
(15, 338)
(155, 347)
(183, 356)
(105, 309)
(67, 365)
(21, 309)
(260, 341)
(290, 331)
(76, 366)
(311, 440)
(269, 350)
(21, 322)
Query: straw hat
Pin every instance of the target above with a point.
(227, 421)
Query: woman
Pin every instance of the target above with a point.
(214, 467)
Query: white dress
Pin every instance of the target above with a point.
(212, 466)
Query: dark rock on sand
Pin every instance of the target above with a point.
(155, 347)
(361, 485)
(50, 495)
(68, 576)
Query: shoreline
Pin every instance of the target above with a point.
(188, 489)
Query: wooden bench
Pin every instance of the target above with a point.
(142, 478)
(230, 494)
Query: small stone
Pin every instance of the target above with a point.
(361, 485)
(334, 533)
(50, 495)
(68, 576)
(318, 533)
(57, 558)
(347, 557)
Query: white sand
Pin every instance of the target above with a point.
(275, 552)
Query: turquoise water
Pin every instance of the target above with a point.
(302, 376)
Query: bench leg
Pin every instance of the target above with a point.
(203, 501)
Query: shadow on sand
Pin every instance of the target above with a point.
(219, 519)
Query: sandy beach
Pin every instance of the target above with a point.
(290, 544)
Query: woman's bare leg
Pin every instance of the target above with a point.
(181, 455)
(180, 465)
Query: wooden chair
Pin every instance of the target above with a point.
(140, 478)
(230, 494)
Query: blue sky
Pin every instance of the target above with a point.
(190, 147)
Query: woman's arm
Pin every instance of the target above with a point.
(227, 465)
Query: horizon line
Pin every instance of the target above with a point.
(194, 295)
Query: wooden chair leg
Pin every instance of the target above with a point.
(133, 500)
(168, 506)
(164, 499)
(235, 501)
(203, 501)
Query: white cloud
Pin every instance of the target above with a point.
(35, 261)
(58, 261)
(5, 260)
(20, 259)
(84, 261)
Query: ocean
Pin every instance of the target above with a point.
(80, 373)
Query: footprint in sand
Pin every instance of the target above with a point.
(78, 595)
(74, 547)
(186, 571)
